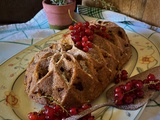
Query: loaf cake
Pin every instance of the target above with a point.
(66, 74)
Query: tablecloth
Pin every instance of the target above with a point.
(16, 37)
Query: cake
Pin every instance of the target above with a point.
(65, 74)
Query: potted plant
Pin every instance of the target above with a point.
(59, 12)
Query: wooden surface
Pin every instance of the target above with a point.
(144, 10)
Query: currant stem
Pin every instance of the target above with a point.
(69, 12)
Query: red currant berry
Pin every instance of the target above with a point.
(128, 99)
(122, 87)
(57, 108)
(133, 82)
(124, 77)
(117, 79)
(84, 39)
(124, 72)
(118, 95)
(80, 24)
(76, 38)
(127, 87)
(86, 106)
(41, 117)
(117, 89)
(78, 44)
(90, 38)
(151, 77)
(88, 32)
(146, 81)
(130, 84)
(84, 44)
(49, 111)
(97, 27)
(90, 118)
(89, 44)
(133, 94)
(33, 116)
(85, 49)
(139, 84)
(92, 27)
(157, 86)
(86, 24)
(139, 93)
(103, 28)
(75, 27)
(71, 27)
(151, 86)
(82, 34)
(73, 111)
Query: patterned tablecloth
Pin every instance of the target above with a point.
(16, 37)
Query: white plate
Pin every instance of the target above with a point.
(15, 105)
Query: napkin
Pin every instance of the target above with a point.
(16, 37)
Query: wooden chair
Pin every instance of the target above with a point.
(143, 10)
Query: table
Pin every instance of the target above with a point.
(16, 37)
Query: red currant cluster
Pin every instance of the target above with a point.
(82, 34)
(56, 112)
(127, 93)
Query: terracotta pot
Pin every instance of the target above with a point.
(58, 16)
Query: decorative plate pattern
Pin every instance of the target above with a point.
(15, 105)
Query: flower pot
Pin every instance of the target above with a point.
(58, 16)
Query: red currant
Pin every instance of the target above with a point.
(88, 32)
(86, 24)
(157, 86)
(127, 87)
(73, 111)
(103, 28)
(118, 95)
(139, 93)
(78, 44)
(85, 49)
(33, 116)
(49, 111)
(41, 116)
(151, 77)
(86, 106)
(89, 44)
(80, 24)
(117, 89)
(71, 27)
(84, 39)
(128, 99)
(139, 84)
